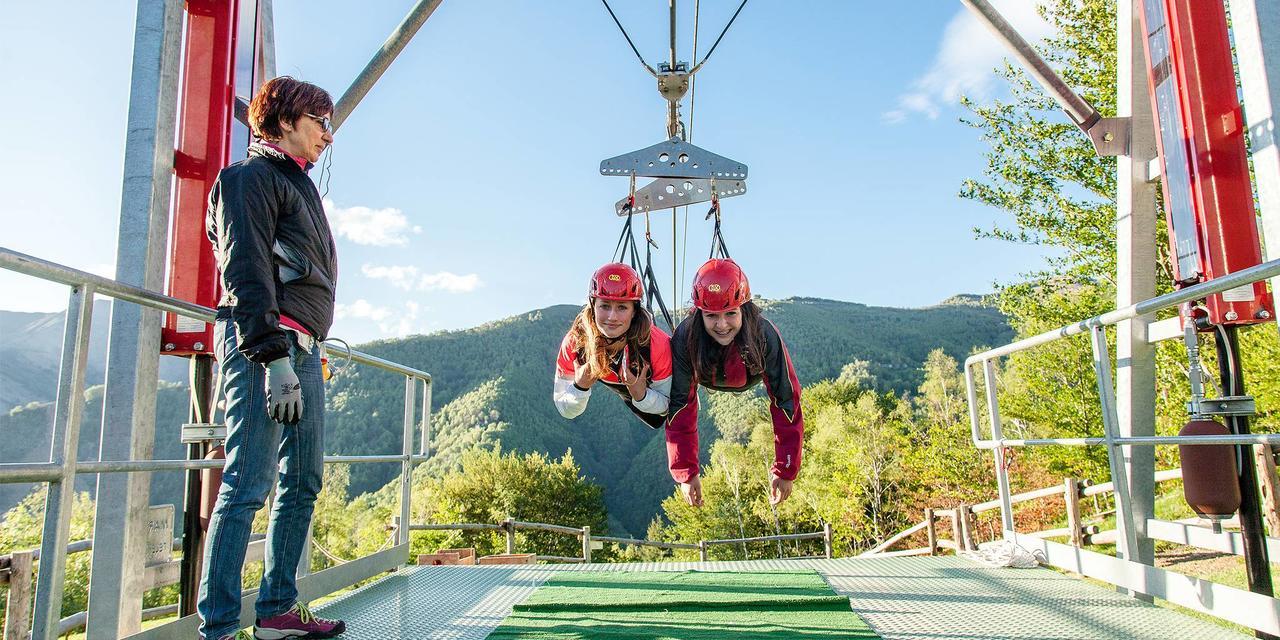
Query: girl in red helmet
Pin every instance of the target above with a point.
(613, 341)
(726, 345)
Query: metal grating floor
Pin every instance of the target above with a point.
(901, 598)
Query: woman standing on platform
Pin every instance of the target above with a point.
(278, 266)
(613, 341)
(726, 345)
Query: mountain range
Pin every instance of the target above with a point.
(492, 388)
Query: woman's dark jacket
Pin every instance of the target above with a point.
(781, 384)
(274, 249)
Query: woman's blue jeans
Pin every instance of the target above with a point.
(261, 453)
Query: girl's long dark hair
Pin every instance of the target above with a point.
(705, 353)
(593, 345)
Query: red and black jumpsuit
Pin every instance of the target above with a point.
(780, 382)
(571, 401)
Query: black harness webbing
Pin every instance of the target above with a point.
(626, 251)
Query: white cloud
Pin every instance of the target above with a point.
(362, 310)
(451, 282)
(405, 323)
(391, 322)
(374, 227)
(402, 277)
(410, 279)
(967, 55)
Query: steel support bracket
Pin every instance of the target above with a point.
(1224, 406)
(674, 158)
(194, 433)
(667, 193)
(1110, 136)
(673, 84)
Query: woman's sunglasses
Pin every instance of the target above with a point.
(324, 122)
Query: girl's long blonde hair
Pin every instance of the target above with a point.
(593, 345)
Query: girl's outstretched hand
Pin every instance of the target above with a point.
(582, 375)
(692, 491)
(637, 385)
(779, 490)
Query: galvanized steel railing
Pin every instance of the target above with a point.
(61, 470)
(511, 525)
(1243, 607)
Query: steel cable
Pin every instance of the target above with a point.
(639, 57)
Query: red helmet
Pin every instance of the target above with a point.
(720, 285)
(616, 281)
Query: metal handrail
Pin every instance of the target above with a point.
(511, 525)
(22, 472)
(85, 287)
(1195, 292)
(1085, 488)
(1240, 278)
(815, 535)
(54, 272)
(1121, 568)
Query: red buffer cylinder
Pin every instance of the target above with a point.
(211, 482)
(1209, 472)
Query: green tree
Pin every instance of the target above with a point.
(492, 486)
(1061, 196)
(23, 527)
(944, 464)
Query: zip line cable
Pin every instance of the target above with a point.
(653, 72)
(693, 97)
(718, 39)
(648, 68)
(626, 243)
(672, 19)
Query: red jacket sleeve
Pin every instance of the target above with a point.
(783, 387)
(568, 352)
(682, 412)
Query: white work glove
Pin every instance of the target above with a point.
(284, 392)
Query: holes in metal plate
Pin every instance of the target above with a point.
(684, 157)
(688, 186)
(671, 188)
(663, 157)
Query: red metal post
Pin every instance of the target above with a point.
(204, 141)
(1208, 197)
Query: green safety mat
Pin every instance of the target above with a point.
(679, 605)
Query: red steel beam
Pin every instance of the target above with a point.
(204, 142)
(1209, 169)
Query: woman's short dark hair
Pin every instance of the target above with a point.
(285, 99)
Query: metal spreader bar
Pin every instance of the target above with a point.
(665, 193)
(675, 158)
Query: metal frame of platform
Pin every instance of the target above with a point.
(901, 598)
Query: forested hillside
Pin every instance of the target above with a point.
(492, 387)
(26, 432)
(30, 348)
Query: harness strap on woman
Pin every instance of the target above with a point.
(627, 251)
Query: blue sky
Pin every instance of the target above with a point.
(465, 188)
